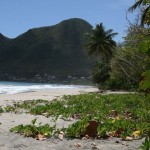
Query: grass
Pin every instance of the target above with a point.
(118, 115)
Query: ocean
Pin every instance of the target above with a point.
(19, 87)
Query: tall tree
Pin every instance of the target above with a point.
(100, 42)
(145, 10)
(144, 46)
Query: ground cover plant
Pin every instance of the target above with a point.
(122, 115)
(32, 130)
(1, 109)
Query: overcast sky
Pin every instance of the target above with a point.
(18, 16)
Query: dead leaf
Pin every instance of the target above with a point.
(86, 137)
(94, 144)
(114, 113)
(119, 132)
(136, 134)
(61, 136)
(112, 134)
(128, 138)
(128, 115)
(76, 116)
(40, 137)
(91, 129)
(61, 132)
(77, 145)
(95, 147)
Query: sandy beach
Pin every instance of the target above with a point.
(11, 141)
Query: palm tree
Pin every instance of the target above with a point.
(145, 10)
(101, 42)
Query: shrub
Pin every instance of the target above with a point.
(100, 72)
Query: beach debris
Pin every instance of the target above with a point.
(61, 132)
(117, 142)
(128, 138)
(86, 137)
(114, 113)
(77, 145)
(125, 144)
(116, 133)
(111, 134)
(128, 115)
(94, 144)
(40, 137)
(119, 132)
(95, 147)
(61, 135)
(76, 116)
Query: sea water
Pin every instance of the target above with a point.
(18, 87)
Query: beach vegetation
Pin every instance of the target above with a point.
(1, 110)
(24, 106)
(144, 6)
(40, 132)
(10, 108)
(127, 60)
(131, 58)
(101, 72)
(144, 47)
(77, 129)
(115, 115)
(146, 144)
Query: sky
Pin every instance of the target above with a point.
(18, 16)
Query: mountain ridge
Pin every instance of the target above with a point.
(56, 50)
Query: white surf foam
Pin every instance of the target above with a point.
(18, 87)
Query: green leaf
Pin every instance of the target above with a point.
(33, 121)
(145, 46)
(145, 80)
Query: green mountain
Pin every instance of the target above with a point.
(54, 50)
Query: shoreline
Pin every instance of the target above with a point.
(25, 87)
(7, 99)
(12, 141)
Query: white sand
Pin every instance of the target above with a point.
(11, 141)
(44, 94)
